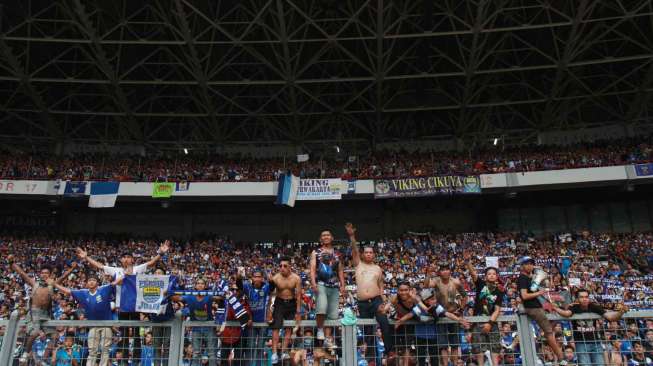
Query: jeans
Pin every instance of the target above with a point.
(589, 353)
(255, 353)
(368, 309)
(207, 335)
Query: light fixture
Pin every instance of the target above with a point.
(186, 151)
(496, 141)
(337, 149)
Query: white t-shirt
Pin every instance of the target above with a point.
(118, 272)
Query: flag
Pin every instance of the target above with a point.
(288, 187)
(182, 186)
(75, 189)
(162, 190)
(302, 158)
(103, 194)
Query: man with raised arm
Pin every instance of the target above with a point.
(328, 282)
(40, 301)
(488, 300)
(370, 292)
(587, 335)
(96, 302)
(287, 305)
(126, 293)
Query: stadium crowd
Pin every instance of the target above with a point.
(611, 268)
(381, 164)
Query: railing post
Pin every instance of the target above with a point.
(526, 340)
(9, 339)
(176, 341)
(348, 345)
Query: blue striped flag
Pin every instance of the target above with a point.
(288, 187)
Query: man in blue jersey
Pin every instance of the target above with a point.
(200, 308)
(126, 293)
(257, 291)
(96, 302)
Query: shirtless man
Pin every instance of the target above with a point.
(287, 305)
(371, 297)
(40, 302)
(451, 294)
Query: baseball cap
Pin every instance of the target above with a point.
(427, 293)
(525, 260)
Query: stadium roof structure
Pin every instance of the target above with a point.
(215, 71)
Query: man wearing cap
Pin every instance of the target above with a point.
(533, 307)
(126, 293)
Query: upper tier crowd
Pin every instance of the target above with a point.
(380, 164)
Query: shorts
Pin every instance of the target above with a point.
(35, 319)
(327, 301)
(485, 341)
(448, 335)
(283, 310)
(405, 338)
(540, 318)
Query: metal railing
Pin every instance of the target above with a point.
(513, 340)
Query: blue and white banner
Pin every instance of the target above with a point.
(103, 194)
(287, 191)
(182, 186)
(150, 292)
(75, 189)
(643, 170)
(320, 189)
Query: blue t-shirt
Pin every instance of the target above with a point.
(199, 310)
(96, 306)
(258, 300)
(39, 346)
(147, 356)
(64, 359)
(128, 294)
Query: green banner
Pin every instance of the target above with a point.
(162, 190)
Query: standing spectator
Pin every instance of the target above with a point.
(370, 294)
(327, 282)
(257, 292)
(453, 297)
(533, 307)
(586, 334)
(96, 302)
(488, 300)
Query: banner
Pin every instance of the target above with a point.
(150, 292)
(320, 189)
(103, 194)
(426, 186)
(302, 158)
(75, 189)
(182, 186)
(28, 187)
(162, 190)
(643, 170)
(492, 262)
